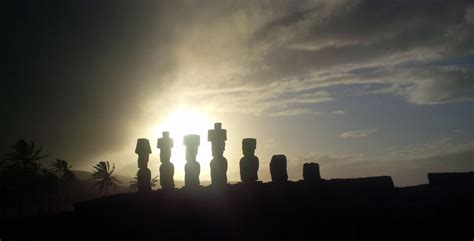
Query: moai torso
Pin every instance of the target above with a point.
(167, 175)
(217, 137)
(278, 169)
(191, 174)
(143, 150)
(143, 180)
(192, 168)
(249, 163)
(166, 168)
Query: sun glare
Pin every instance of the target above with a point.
(182, 122)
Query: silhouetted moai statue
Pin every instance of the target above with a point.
(143, 150)
(217, 137)
(249, 163)
(278, 169)
(192, 169)
(166, 168)
(311, 172)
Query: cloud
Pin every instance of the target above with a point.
(429, 85)
(285, 50)
(358, 133)
(440, 86)
(294, 112)
(268, 58)
(338, 112)
(469, 15)
(274, 99)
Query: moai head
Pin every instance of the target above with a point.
(165, 144)
(311, 172)
(143, 150)
(248, 146)
(278, 168)
(192, 143)
(217, 137)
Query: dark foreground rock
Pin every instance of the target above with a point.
(340, 209)
(451, 179)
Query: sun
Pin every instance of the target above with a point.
(182, 122)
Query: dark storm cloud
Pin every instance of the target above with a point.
(76, 72)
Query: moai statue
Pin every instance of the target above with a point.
(249, 163)
(217, 137)
(166, 168)
(143, 150)
(192, 169)
(278, 169)
(311, 172)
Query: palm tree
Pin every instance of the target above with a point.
(154, 181)
(25, 155)
(60, 167)
(63, 170)
(102, 175)
(21, 171)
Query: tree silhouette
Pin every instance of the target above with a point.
(69, 176)
(102, 175)
(49, 188)
(60, 167)
(66, 177)
(25, 155)
(63, 170)
(20, 173)
(134, 184)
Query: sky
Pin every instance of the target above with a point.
(362, 87)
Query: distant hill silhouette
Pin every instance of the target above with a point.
(83, 191)
(86, 175)
(337, 209)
